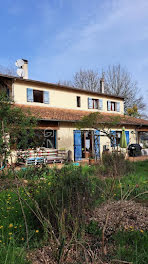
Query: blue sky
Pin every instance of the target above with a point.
(58, 37)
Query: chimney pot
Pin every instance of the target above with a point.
(25, 68)
(102, 85)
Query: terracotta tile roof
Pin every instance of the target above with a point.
(60, 114)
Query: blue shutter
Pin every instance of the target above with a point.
(29, 95)
(46, 97)
(100, 104)
(97, 143)
(113, 141)
(77, 145)
(90, 103)
(109, 105)
(127, 137)
(118, 107)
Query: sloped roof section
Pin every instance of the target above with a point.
(69, 115)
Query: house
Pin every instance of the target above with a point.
(59, 108)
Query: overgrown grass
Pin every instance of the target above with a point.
(62, 196)
(131, 247)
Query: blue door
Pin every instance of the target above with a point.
(97, 143)
(77, 145)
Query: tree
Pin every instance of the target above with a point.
(16, 127)
(133, 111)
(10, 70)
(118, 81)
(87, 80)
(97, 122)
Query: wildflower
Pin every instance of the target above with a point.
(22, 238)
(37, 231)
(0, 241)
(15, 227)
(1, 227)
(141, 231)
(11, 225)
(10, 234)
(10, 238)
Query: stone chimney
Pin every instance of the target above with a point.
(102, 85)
(25, 68)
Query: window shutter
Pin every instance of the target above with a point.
(46, 97)
(113, 140)
(118, 107)
(100, 104)
(29, 95)
(90, 103)
(127, 137)
(109, 105)
(97, 143)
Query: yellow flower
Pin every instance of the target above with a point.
(37, 231)
(10, 238)
(141, 231)
(11, 225)
(1, 227)
(10, 234)
(15, 227)
(22, 238)
(0, 241)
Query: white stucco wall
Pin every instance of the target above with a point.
(61, 98)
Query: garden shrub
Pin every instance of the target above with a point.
(64, 197)
(115, 165)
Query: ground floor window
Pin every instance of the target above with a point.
(49, 139)
(42, 138)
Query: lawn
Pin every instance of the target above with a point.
(62, 196)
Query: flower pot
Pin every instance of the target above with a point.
(91, 161)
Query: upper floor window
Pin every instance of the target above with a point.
(95, 103)
(78, 101)
(37, 96)
(113, 106)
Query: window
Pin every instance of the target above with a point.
(116, 136)
(93, 103)
(37, 96)
(78, 101)
(113, 106)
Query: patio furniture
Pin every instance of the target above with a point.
(42, 156)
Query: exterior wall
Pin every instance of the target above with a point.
(61, 98)
(104, 140)
(65, 138)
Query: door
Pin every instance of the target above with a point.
(77, 145)
(97, 144)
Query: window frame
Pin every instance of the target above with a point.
(78, 101)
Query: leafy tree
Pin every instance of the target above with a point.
(96, 121)
(16, 127)
(133, 111)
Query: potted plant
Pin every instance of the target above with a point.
(92, 159)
